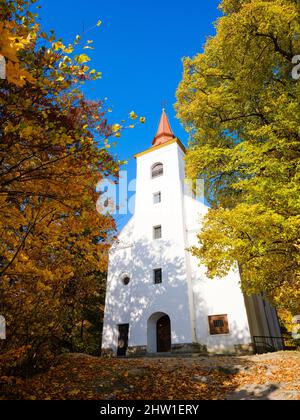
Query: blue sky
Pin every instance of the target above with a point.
(139, 49)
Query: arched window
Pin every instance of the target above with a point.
(157, 170)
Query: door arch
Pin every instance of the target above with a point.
(159, 333)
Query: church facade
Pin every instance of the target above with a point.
(158, 297)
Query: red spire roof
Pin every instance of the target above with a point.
(164, 132)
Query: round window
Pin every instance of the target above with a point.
(126, 280)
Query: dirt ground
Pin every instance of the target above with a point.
(80, 377)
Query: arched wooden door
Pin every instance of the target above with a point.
(163, 330)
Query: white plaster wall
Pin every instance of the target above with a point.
(118, 296)
(186, 295)
(135, 303)
(217, 296)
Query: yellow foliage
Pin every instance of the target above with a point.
(10, 45)
(241, 106)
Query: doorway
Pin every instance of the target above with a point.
(163, 334)
(123, 340)
(159, 333)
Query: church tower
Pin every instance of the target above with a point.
(158, 297)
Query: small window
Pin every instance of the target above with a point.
(158, 276)
(218, 324)
(157, 198)
(157, 170)
(157, 232)
(126, 280)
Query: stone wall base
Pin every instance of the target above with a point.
(244, 349)
(184, 348)
(189, 348)
(138, 351)
(107, 353)
(237, 350)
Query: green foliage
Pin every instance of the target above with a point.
(241, 106)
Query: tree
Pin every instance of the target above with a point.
(53, 151)
(240, 103)
(14, 38)
(82, 315)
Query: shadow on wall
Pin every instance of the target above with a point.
(237, 341)
(136, 302)
(220, 296)
(141, 298)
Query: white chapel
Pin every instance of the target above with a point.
(159, 299)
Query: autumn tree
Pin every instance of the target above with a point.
(240, 103)
(54, 149)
